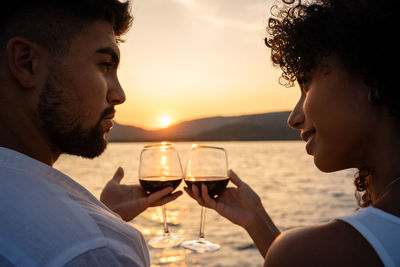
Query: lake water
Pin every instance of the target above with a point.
(293, 191)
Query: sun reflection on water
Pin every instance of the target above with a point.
(173, 214)
(171, 257)
(174, 257)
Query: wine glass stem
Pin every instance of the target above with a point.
(202, 222)
(164, 213)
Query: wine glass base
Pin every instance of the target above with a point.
(200, 245)
(166, 241)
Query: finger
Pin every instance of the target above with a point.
(206, 197)
(204, 191)
(235, 179)
(188, 191)
(191, 194)
(118, 175)
(159, 194)
(196, 192)
(196, 195)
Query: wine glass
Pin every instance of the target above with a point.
(206, 165)
(159, 168)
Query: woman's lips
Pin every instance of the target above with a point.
(308, 136)
(305, 135)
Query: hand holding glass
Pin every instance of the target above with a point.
(160, 167)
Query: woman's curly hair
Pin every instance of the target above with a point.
(361, 34)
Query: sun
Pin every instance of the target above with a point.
(165, 121)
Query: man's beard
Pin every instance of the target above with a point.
(63, 126)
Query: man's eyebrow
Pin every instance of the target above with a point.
(111, 52)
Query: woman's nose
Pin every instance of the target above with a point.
(296, 117)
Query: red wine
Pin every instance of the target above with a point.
(156, 183)
(215, 185)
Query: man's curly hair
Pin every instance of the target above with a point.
(361, 34)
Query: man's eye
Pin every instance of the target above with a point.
(108, 66)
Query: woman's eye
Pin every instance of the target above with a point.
(305, 87)
(304, 83)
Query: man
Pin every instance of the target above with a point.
(58, 90)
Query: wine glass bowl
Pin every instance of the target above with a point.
(154, 184)
(160, 167)
(215, 185)
(206, 165)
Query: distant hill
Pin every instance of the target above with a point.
(127, 133)
(265, 126)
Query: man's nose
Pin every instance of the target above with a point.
(116, 94)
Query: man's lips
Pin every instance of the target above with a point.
(109, 117)
(108, 113)
(108, 120)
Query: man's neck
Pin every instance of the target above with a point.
(24, 137)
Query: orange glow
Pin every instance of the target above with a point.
(194, 73)
(165, 121)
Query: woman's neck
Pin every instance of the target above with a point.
(383, 160)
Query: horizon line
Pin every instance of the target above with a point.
(196, 118)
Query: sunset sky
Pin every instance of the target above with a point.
(186, 59)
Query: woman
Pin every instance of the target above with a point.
(341, 54)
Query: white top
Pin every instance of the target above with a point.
(381, 230)
(47, 219)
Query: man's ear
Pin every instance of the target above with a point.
(22, 61)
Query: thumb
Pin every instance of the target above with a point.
(235, 179)
(159, 194)
(118, 175)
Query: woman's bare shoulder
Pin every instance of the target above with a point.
(330, 244)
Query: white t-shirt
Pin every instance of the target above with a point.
(381, 230)
(47, 219)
